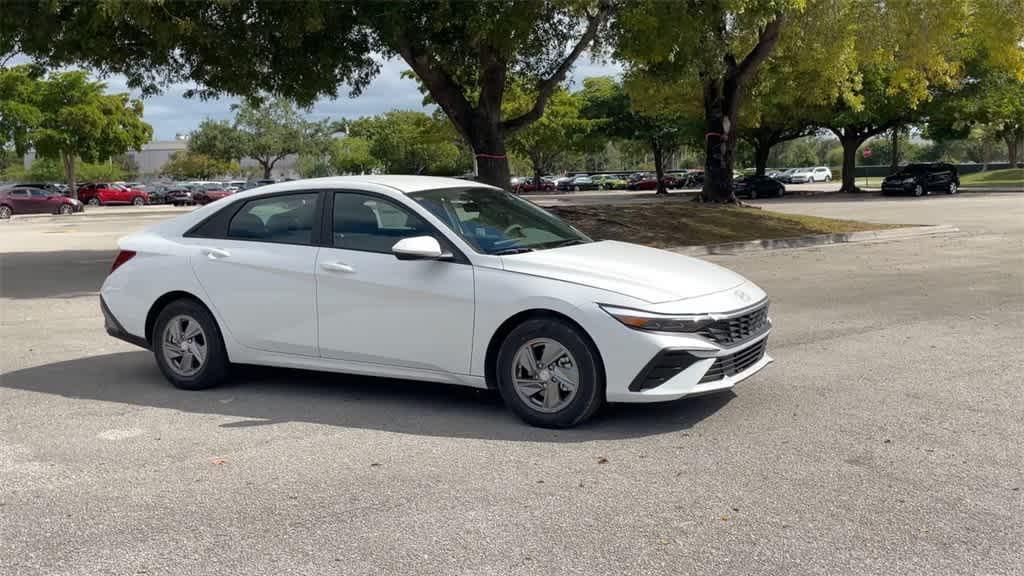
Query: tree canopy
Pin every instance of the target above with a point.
(64, 116)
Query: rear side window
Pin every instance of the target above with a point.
(372, 224)
(285, 219)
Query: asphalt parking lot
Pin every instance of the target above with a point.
(885, 439)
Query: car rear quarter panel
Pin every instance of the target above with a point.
(159, 267)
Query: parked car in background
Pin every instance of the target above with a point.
(921, 179)
(210, 193)
(650, 182)
(821, 174)
(578, 183)
(25, 200)
(801, 176)
(785, 175)
(611, 181)
(108, 193)
(326, 274)
(58, 187)
(758, 187)
(180, 197)
(526, 185)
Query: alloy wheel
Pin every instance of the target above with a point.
(953, 188)
(5, 212)
(918, 190)
(65, 209)
(184, 345)
(94, 201)
(545, 375)
(138, 201)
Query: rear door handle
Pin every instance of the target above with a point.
(216, 253)
(337, 267)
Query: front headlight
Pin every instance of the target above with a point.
(651, 322)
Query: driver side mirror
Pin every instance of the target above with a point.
(419, 248)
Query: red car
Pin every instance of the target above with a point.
(529, 185)
(651, 183)
(35, 201)
(107, 193)
(205, 196)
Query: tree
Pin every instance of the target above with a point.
(351, 155)
(560, 130)
(712, 49)
(408, 142)
(217, 139)
(900, 81)
(608, 103)
(192, 165)
(67, 117)
(464, 52)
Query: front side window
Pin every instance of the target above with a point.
(286, 219)
(496, 222)
(373, 224)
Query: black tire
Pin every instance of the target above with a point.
(65, 209)
(94, 201)
(138, 201)
(953, 188)
(215, 368)
(589, 395)
(919, 190)
(753, 194)
(5, 212)
(780, 192)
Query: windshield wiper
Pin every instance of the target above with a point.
(517, 250)
(563, 243)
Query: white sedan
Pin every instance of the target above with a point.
(431, 279)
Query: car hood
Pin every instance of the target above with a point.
(637, 271)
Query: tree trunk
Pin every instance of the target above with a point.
(267, 167)
(488, 141)
(850, 145)
(1012, 143)
(761, 151)
(894, 157)
(69, 173)
(659, 167)
(720, 140)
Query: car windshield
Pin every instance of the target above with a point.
(914, 169)
(496, 222)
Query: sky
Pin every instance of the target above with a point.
(171, 113)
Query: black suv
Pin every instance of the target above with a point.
(922, 179)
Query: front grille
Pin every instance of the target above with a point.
(732, 364)
(731, 331)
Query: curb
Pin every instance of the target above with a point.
(816, 240)
(144, 211)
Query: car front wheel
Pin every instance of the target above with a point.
(918, 190)
(953, 188)
(65, 209)
(548, 374)
(188, 346)
(138, 201)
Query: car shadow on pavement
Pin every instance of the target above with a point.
(59, 274)
(258, 396)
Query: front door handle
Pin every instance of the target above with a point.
(337, 267)
(216, 253)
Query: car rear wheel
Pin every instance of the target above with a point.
(953, 188)
(65, 209)
(5, 212)
(918, 190)
(188, 346)
(780, 192)
(548, 374)
(753, 194)
(94, 201)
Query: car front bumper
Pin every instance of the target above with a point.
(684, 364)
